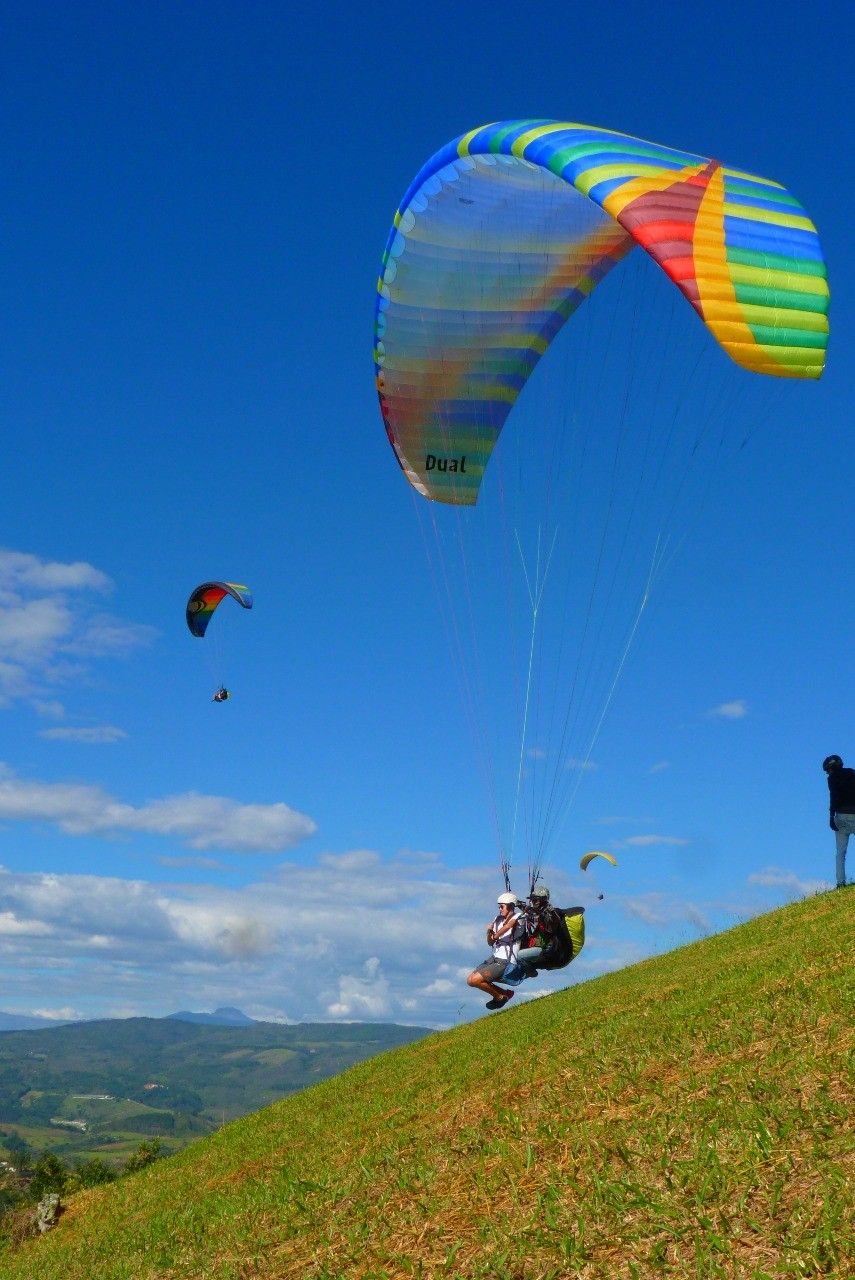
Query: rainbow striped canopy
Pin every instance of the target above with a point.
(204, 600)
(505, 232)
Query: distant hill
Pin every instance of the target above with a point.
(25, 1022)
(690, 1116)
(123, 1079)
(225, 1017)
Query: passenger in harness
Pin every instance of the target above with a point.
(553, 937)
(504, 935)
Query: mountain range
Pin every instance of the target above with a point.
(225, 1017)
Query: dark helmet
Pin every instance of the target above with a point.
(539, 894)
(830, 763)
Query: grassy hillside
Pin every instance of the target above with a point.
(690, 1116)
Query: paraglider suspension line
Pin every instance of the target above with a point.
(535, 595)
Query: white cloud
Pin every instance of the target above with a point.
(103, 636)
(352, 935)
(10, 923)
(97, 733)
(50, 708)
(29, 630)
(199, 821)
(361, 998)
(775, 877)
(696, 917)
(439, 987)
(730, 710)
(356, 860)
(658, 910)
(573, 762)
(154, 947)
(232, 933)
(51, 630)
(19, 569)
(647, 911)
(660, 766)
(215, 822)
(419, 857)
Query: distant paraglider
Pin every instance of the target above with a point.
(588, 858)
(203, 601)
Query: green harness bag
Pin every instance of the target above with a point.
(568, 939)
(574, 922)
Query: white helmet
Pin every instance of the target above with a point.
(510, 898)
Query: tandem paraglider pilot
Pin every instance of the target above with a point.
(504, 935)
(841, 795)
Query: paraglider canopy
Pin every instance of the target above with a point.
(506, 257)
(588, 858)
(205, 598)
(506, 231)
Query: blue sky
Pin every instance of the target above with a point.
(196, 203)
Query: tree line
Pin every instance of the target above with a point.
(27, 1177)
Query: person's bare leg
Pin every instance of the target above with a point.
(478, 980)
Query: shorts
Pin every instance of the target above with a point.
(492, 968)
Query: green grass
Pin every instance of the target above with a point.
(689, 1116)
(40, 1137)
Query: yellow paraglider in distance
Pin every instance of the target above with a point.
(587, 858)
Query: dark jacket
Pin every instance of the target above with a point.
(558, 948)
(841, 792)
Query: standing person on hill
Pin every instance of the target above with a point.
(841, 794)
(503, 935)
